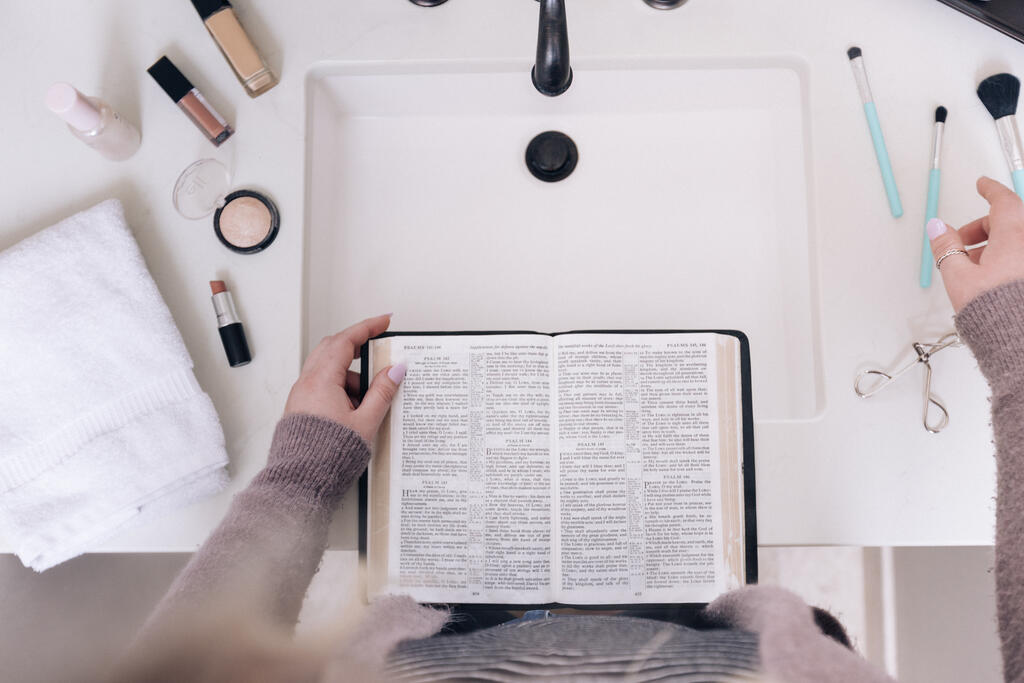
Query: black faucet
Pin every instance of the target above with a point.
(552, 74)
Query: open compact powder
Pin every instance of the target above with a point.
(244, 221)
(247, 222)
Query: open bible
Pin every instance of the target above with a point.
(582, 468)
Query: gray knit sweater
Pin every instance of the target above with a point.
(267, 549)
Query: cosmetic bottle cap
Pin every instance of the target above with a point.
(170, 79)
(201, 188)
(208, 7)
(69, 104)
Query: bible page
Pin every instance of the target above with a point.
(470, 469)
(638, 491)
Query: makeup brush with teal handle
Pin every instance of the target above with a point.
(932, 206)
(999, 94)
(874, 125)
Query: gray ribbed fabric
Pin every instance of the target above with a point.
(580, 646)
(264, 554)
(992, 325)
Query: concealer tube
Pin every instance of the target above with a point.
(252, 72)
(190, 101)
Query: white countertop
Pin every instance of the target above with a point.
(862, 473)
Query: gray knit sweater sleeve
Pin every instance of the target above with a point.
(259, 562)
(992, 325)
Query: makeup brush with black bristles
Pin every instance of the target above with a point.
(999, 94)
(931, 209)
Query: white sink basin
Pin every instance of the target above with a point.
(688, 208)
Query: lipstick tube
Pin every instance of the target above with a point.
(232, 335)
(190, 101)
(234, 43)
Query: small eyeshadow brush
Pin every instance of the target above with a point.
(932, 207)
(999, 94)
(860, 74)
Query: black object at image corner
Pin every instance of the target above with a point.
(1006, 16)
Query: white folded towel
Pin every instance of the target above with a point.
(101, 418)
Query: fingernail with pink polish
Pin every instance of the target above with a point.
(397, 372)
(935, 228)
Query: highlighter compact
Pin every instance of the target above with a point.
(245, 221)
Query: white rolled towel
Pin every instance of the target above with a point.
(101, 417)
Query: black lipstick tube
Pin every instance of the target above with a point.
(232, 334)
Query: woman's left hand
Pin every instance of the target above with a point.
(327, 388)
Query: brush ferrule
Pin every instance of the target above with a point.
(224, 307)
(1009, 140)
(937, 144)
(860, 74)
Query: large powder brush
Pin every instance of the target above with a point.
(999, 94)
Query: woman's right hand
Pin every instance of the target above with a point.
(998, 262)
